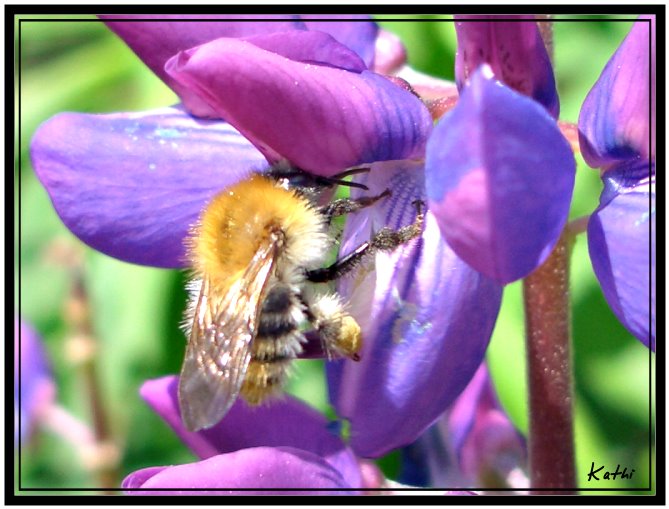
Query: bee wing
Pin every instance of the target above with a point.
(219, 347)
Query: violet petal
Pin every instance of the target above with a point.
(614, 121)
(500, 177)
(285, 422)
(310, 47)
(36, 385)
(483, 438)
(261, 470)
(357, 32)
(131, 184)
(621, 242)
(426, 319)
(156, 41)
(321, 119)
(137, 479)
(515, 52)
(390, 54)
(462, 414)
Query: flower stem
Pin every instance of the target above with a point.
(577, 226)
(547, 317)
(103, 454)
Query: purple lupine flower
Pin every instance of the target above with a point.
(155, 42)
(337, 116)
(353, 31)
(472, 444)
(285, 444)
(253, 451)
(501, 208)
(489, 450)
(499, 173)
(37, 389)
(500, 176)
(617, 135)
(514, 51)
(427, 319)
(420, 306)
(132, 184)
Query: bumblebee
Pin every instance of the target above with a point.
(254, 251)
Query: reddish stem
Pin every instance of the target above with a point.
(551, 436)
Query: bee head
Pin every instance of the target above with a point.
(291, 177)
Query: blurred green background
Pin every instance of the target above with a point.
(135, 311)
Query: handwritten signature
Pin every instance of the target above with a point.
(600, 473)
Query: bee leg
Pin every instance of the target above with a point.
(340, 267)
(386, 239)
(349, 205)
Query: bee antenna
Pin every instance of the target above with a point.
(338, 178)
(357, 185)
(352, 171)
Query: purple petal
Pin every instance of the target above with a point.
(515, 52)
(621, 241)
(321, 119)
(36, 385)
(482, 436)
(426, 319)
(137, 479)
(390, 53)
(310, 47)
(131, 184)
(260, 470)
(614, 121)
(357, 32)
(462, 415)
(500, 176)
(156, 41)
(287, 422)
